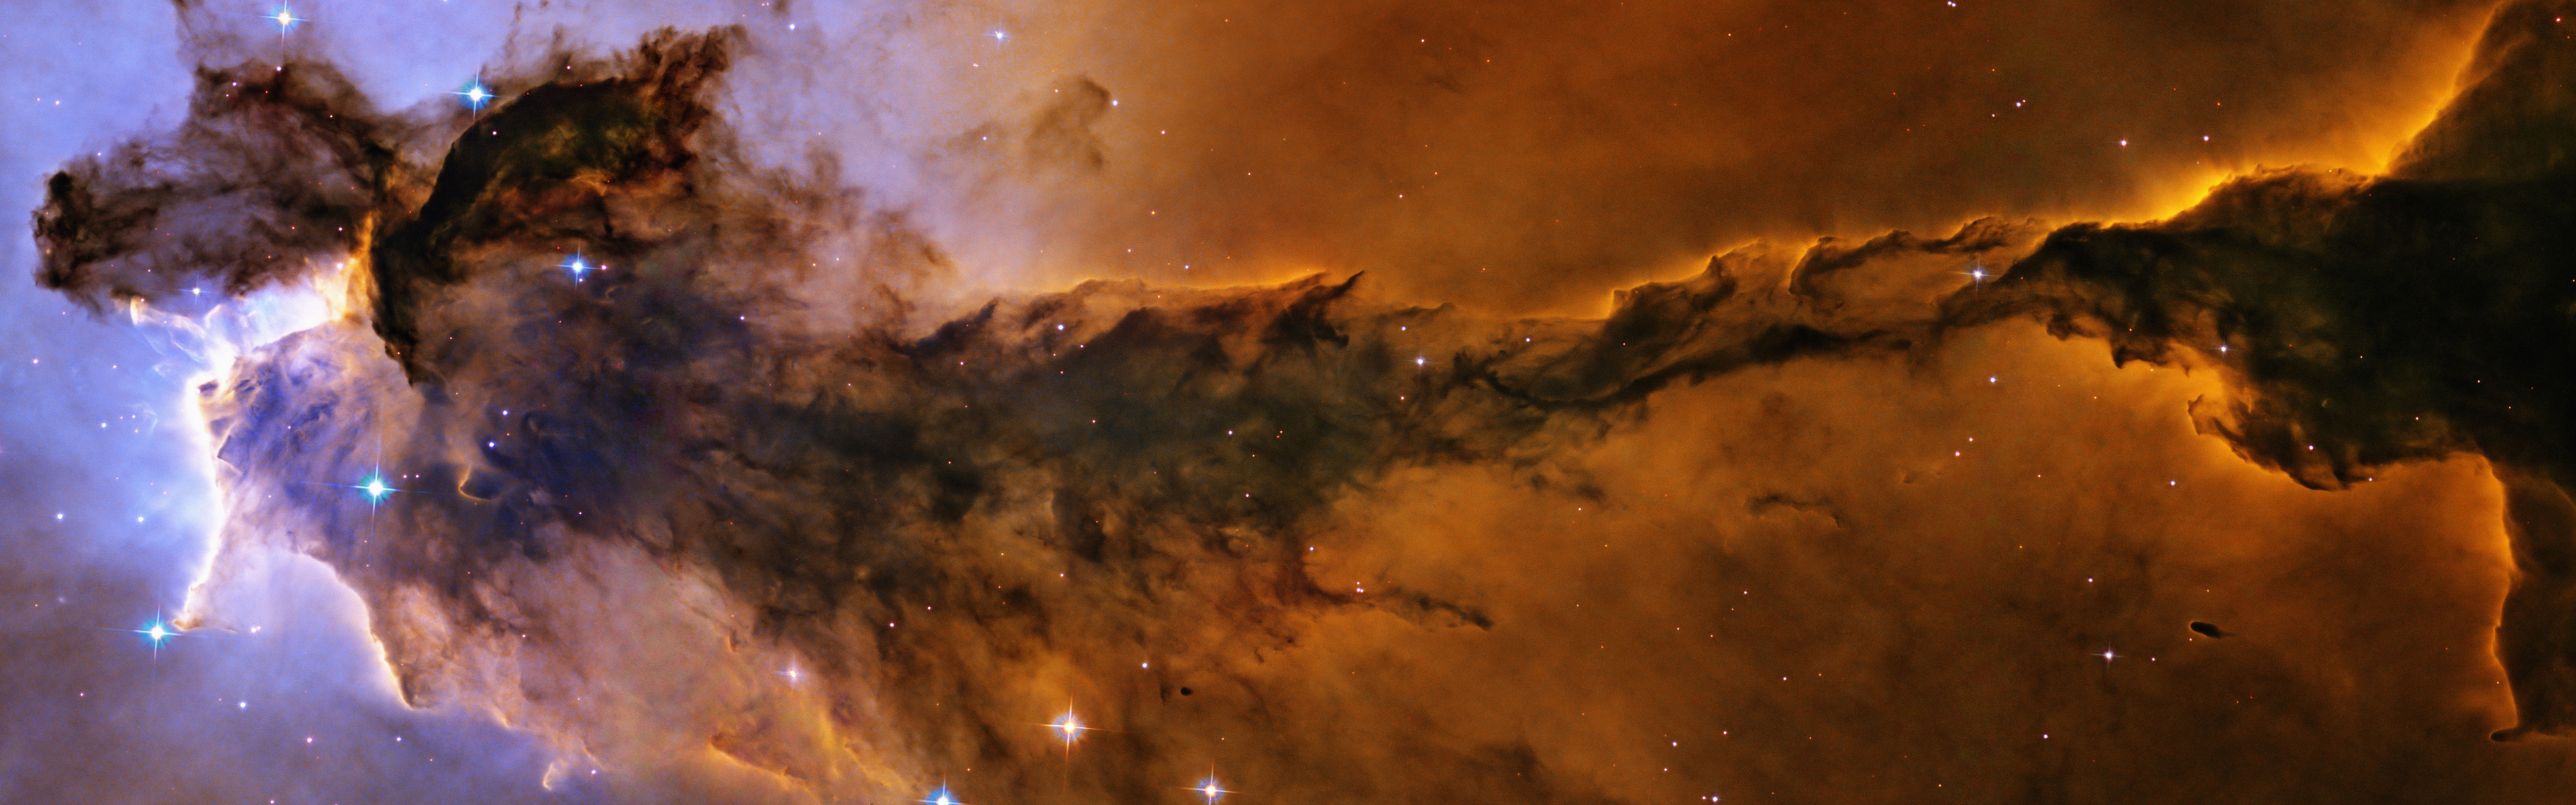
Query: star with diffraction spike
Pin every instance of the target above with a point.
(285, 19)
(1209, 788)
(157, 632)
(1069, 727)
(476, 95)
(374, 487)
(580, 268)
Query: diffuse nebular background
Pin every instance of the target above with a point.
(1238, 378)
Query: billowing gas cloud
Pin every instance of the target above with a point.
(691, 467)
(2369, 321)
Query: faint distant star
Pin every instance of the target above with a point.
(1001, 35)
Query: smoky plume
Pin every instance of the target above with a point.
(1065, 479)
(277, 169)
(653, 494)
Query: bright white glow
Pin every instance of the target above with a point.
(213, 339)
(475, 95)
(581, 268)
(1208, 788)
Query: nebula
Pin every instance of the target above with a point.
(720, 464)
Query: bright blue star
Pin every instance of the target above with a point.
(155, 634)
(376, 488)
(581, 268)
(1210, 789)
(1001, 36)
(476, 95)
(284, 18)
(941, 797)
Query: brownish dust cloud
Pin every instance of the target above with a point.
(1282, 435)
(1524, 158)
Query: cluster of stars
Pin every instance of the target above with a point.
(1070, 728)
